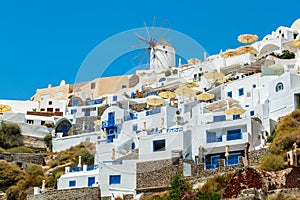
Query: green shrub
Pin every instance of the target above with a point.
(48, 141)
(272, 162)
(270, 138)
(168, 73)
(49, 124)
(87, 158)
(10, 174)
(178, 187)
(286, 54)
(10, 136)
(22, 149)
(53, 163)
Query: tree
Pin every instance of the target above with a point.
(178, 187)
(48, 141)
(286, 54)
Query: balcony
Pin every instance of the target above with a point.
(81, 168)
(107, 124)
(45, 114)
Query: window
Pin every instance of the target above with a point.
(91, 181)
(241, 91)
(159, 145)
(115, 98)
(114, 179)
(134, 127)
(93, 85)
(29, 121)
(236, 117)
(219, 118)
(72, 183)
(254, 86)
(252, 113)
(229, 94)
(279, 87)
(73, 111)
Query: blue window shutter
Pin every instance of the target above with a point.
(229, 94)
(241, 91)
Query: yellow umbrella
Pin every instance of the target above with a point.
(167, 95)
(235, 111)
(228, 54)
(297, 43)
(190, 84)
(246, 49)
(247, 38)
(155, 101)
(185, 91)
(214, 75)
(205, 96)
(4, 108)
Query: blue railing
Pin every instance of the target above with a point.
(168, 130)
(152, 112)
(234, 136)
(211, 166)
(151, 93)
(76, 169)
(212, 139)
(92, 167)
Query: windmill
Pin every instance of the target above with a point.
(160, 53)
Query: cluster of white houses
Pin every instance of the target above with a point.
(118, 120)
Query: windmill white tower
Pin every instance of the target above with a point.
(162, 56)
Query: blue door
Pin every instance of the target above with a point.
(111, 119)
(91, 181)
(64, 128)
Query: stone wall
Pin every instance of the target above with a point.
(254, 156)
(90, 193)
(23, 160)
(154, 174)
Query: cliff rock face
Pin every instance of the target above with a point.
(244, 179)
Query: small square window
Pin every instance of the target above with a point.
(114, 179)
(72, 183)
(159, 145)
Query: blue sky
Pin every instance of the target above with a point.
(43, 42)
